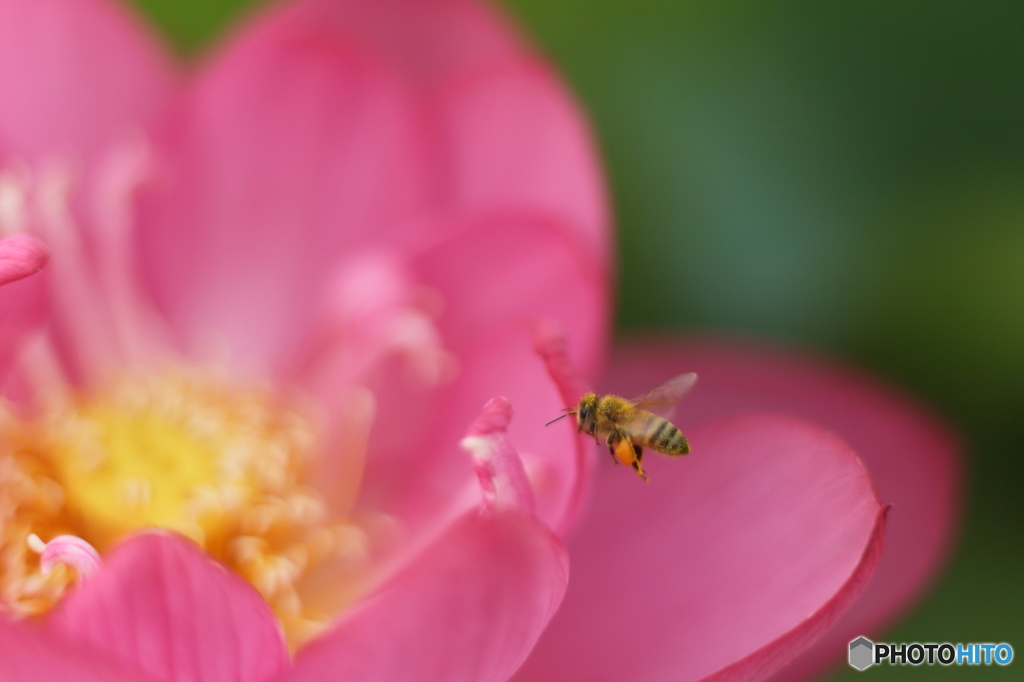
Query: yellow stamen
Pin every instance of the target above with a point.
(31, 500)
(223, 465)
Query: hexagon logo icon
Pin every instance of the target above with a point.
(862, 653)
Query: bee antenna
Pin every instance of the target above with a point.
(557, 418)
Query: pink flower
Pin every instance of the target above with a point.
(282, 288)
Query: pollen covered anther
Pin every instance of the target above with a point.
(180, 450)
(31, 503)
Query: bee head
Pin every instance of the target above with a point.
(585, 412)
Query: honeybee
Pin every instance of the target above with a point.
(628, 426)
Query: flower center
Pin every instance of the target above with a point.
(222, 465)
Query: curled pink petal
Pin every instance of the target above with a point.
(70, 550)
(502, 477)
(469, 608)
(20, 256)
(729, 560)
(162, 606)
(912, 457)
(28, 654)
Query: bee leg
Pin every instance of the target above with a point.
(612, 442)
(639, 452)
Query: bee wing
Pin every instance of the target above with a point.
(661, 399)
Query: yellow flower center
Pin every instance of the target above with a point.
(225, 466)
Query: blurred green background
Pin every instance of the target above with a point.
(845, 175)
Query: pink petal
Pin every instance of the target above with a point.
(508, 133)
(434, 43)
(295, 146)
(515, 267)
(162, 605)
(497, 280)
(332, 126)
(725, 565)
(518, 140)
(911, 456)
(469, 608)
(74, 74)
(30, 655)
(20, 256)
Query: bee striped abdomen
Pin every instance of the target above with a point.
(663, 436)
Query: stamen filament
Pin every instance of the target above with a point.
(66, 549)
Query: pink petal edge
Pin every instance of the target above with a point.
(714, 566)
(162, 605)
(769, 658)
